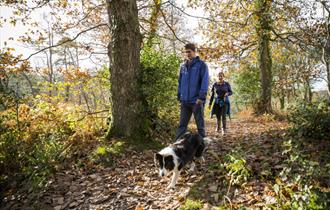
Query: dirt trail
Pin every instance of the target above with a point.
(135, 182)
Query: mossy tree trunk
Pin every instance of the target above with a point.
(263, 28)
(124, 53)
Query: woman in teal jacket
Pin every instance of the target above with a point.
(222, 89)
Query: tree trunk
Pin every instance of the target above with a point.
(310, 93)
(127, 119)
(33, 91)
(326, 47)
(51, 69)
(67, 86)
(307, 90)
(326, 61)
(282, 102)
(173, 44)
(154, 21)
(282, 99)
(263, 8)
(328, 77)
(84, 96)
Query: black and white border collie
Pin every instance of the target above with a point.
(174, 157)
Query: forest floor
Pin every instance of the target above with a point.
(241, 169)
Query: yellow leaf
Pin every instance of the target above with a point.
(180, 198)
(278, 181)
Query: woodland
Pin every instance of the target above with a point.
(88, 95)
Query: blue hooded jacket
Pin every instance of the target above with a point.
(193, 81)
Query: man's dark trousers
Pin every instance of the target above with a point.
(187, 109)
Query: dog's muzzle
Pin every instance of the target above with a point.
(162, 173)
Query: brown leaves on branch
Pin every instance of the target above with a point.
(73, 73)
(10, 64)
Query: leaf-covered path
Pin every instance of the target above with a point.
(133, 180)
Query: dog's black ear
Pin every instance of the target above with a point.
(158, 156)
(187, 135)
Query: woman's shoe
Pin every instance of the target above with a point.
(223, 131)
(217, 128)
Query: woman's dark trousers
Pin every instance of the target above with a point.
(221, 116)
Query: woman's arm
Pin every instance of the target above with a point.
(212, 95)
(230, 92)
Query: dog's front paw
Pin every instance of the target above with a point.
(192, 167)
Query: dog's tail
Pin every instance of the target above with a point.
(203, 147)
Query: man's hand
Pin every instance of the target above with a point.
(226, 94)
(199, 102)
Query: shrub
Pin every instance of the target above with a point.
(159, 90)
(311, 119)
(236, 167)
(246, 84)
(47, 134)
(33, 149)
(295, 186)
(192, 205)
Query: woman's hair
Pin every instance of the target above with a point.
(222, 74)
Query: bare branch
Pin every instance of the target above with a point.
(96, 112)
(66, 41)
(211, 19)
(148, 6)
(172, 30)
(194, 16)
(324, 3)
(85, 16)
(39, 5)
(283, 36)
(89, 114)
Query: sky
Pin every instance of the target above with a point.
(15, 31)
(9, 30)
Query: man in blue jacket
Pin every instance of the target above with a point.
(192, 91)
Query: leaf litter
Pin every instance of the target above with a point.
(132, 182)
